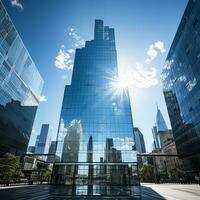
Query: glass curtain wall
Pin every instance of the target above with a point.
(95, 138)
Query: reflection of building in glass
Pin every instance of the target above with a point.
(139, 141)
(111, 153)
(44, 139)
(72, 141)
(105, 115)
(20, 89)
(90, 150)
(181, 84)
(90, 160)
(108, 150)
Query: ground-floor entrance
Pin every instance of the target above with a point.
(98, 178)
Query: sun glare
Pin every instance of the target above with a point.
(119, 84)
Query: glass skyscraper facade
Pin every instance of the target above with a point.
(181, 83)
(20, 88)
(95, 137)
(139, 141)
(44, 142)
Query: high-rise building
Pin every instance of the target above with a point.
(104, 113)
(181, 85)
(160, 131)
(52, 151)
(37, 140)
(160, 122)
(20, 89)
(139, 141)
(52, 148)
(44, 139)
(31, 149)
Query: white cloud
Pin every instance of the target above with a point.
(160, 45)
(16, 3)
(70, 50)
(153, 50)
(33, 131)
(62, 60)
(77, 40)
(144, 77)
(65, 57)
(42, 98)
(139, 76)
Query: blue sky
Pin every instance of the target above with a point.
(52, 28)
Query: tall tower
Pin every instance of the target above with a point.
(160, 122)
(181, 78)
(44, 139)
(160, 131)
(103, 113)
(20, 89)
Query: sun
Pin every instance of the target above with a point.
(118, 84)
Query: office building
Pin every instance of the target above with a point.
(160, 131)
(181, 85)
(31, 149)
(44, 139)
(20, 89)
(139, 141)
(104, 117)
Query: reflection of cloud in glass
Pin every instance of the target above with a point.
(123, 143)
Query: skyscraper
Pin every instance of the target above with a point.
(160, 122)
(103, 111)
(44, 139)
(139, 141)
(20, 89)
(160, 131)
(181, 85)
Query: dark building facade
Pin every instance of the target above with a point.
(20, 89)
(181, 83)
(139, 141)
(103, 136)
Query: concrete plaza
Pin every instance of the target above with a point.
(148, 192)
(170, 191)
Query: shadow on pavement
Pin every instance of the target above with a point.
(148, 193)
(46, 192)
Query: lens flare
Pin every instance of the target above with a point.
(119, 84)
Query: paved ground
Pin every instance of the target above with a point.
(149, 192)
(170, 192)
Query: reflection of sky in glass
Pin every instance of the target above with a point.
(19, 77)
